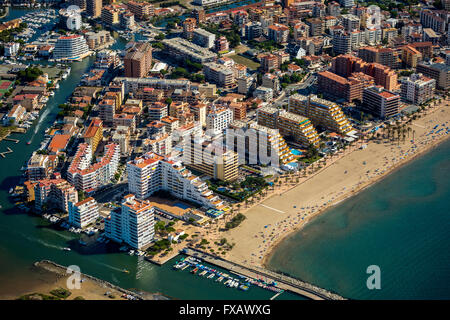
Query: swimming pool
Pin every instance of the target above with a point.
(296, 152)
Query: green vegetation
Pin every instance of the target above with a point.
(239, 191)
(61, 293)
(290, 79)
(29, 74)
(37, 296)
(235, 221)
(8, 35)
(79, 298)
(159, 246)
(245, 61)
(268, 45)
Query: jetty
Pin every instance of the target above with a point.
(6, 152)
(283, 282)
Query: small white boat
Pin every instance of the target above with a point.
(67, 249)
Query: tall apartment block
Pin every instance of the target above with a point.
(252, 137)
(219, 74)
(54, 193)
(189, 27)
(138, 60)
(291, 125)
(219, 118)
(152, 172)
(141, 9)
(94, 8)
(89, 177)
(211, 158)
(381, 102)
(417, 88)
(322, 112)
(83, 213)
(133, 224)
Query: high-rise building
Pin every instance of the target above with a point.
(133, 224)
(204, 38)
(417, 88)
(151, 172)
(219, 74)
(141, 10)
(199, 15)
(218, 119)
(138, 60)
(89, 177)
(71, 47)
(290, 125)
(188, 28)
(252, 137)
(278, 33)
(385, 56)
(94, 133)
(221, 44)
(381, 102)
(83, 213)
(269, 62)
(339, 87)
(94, 8)
(322, 113)
(54, 193)
(437, 71)
(211, 158)
(342, 42)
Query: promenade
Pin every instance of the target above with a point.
(283, 282)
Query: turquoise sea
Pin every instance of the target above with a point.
(401, 224)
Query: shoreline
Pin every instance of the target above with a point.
(351, 194)
(383, 157)
(46, 275)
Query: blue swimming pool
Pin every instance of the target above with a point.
(296, 152)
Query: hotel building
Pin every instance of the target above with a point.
(83, 213)
(132, 224)
(417, 89)
(218, 119)
(94, 8)
(219, 74)
(291, 125)
(138, 60)
(72, 47)
(151, 172)
(89, 177)
(263, 137)
(211, 158)
(321, 112)
(381, 102)
(141, 9)
(54, 193)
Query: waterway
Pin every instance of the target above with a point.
(401, 224)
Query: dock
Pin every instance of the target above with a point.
(13, 140)
(283, 282)
(6, 152)
(276, 295)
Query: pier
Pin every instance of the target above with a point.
(6, 152)
(283, 282)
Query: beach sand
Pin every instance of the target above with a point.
(275, 217)
(45, 276)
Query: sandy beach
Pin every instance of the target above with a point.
(45, 276)
(290, 206)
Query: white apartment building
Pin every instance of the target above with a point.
(204, 38)
(151, 172)
(220, 74)
(263, 93)
(72, 47)
(218, 119)
(11, 49)
(133, 224)
(89, 177)
(83, 213)
(417, 89)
